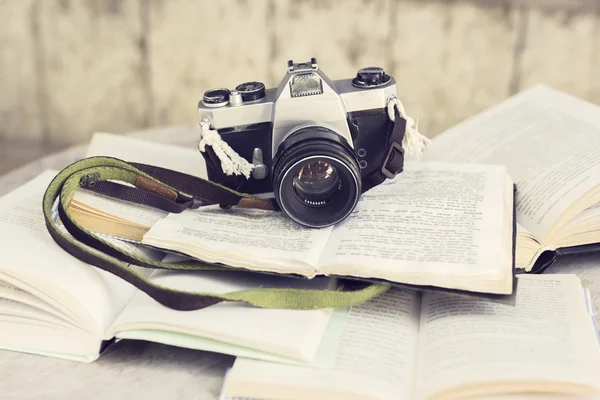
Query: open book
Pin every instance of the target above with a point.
(550, 144)
(55, 305)
(447, 226)
(411, 346)
(442, 225)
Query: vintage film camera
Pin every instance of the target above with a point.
(315, 144)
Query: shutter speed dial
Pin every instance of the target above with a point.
(251, 91)
(370, 77)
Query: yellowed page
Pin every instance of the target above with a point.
(546, 338)
(375, 359)
(586, 222)
(550, 143)
(133, 213)
(527, 248)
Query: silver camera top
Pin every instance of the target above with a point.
(305, 95)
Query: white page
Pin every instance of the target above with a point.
(11, 292)
(14, 310)
(177, 158)
(39, 337)
(253, 239)
(585, 266)
(375, 359)
(87, 291)
(550, 143)
(294, 334)
(547, 336)
(432, 222)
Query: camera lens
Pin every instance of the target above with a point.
(316, 177)
(317, 183)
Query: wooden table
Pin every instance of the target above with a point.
(136, 369)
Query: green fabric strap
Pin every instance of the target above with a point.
(105, 255)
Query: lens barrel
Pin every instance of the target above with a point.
(316, 177)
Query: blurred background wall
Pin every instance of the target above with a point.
(69, 68)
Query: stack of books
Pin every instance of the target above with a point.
(468, 314)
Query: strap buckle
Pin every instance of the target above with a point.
(388, 173)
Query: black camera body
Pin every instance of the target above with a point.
(312, 141)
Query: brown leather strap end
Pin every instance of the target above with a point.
(258, 203)
(151, 186)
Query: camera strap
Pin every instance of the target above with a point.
(171, 191)
(175, 192)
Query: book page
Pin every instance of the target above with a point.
(11, 292)
(291, 334)
(30, 330)
(116, 209)
(433, 224)
(375, 359)
(12, 310)
(245, 238)
(546, 341)
(92, 296)
(585, 266)
(549, 142)
(588, 221)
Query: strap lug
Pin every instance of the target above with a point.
(391, 174)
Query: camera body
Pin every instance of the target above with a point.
(338, 124)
